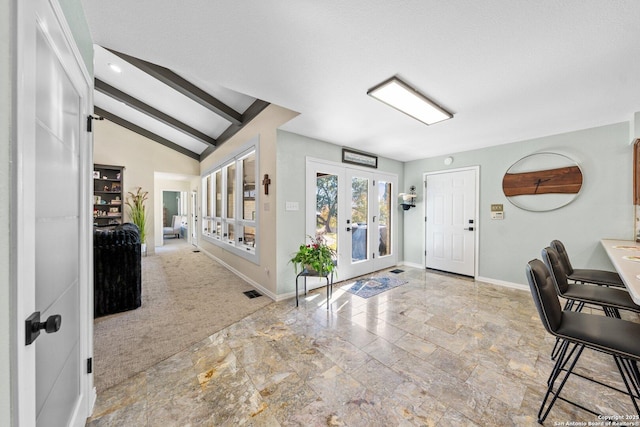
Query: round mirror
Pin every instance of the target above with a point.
(542, 182)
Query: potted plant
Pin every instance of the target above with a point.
(138, 213)
(315, 257)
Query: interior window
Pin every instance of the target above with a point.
(230, 204)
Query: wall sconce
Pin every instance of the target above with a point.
(408, 199)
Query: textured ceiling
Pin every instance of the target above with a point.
(508, 69)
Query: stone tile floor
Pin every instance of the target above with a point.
(437, 351)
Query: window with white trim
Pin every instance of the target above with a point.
(229, 204)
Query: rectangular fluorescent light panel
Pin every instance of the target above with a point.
(399, 95)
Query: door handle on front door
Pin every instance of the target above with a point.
(469, 229)
(33, 326)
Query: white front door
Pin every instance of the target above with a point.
(451, 223)
(354, 210)
(52, 220)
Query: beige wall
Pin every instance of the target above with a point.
(265, 125)
(141, 157)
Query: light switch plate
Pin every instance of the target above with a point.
(497, 215)
(292, 206)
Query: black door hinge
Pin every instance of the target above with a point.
(89, 124)
(90, 365)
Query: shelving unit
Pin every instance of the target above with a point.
(108, 197)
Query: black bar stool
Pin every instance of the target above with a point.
(585, 275)
(616, 337)
(610, 299)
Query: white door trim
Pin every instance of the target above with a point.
(476, 228)
(49, 16)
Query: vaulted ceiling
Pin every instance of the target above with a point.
(186, 115)
(508, 69)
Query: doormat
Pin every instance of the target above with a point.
(371, 286)
(252, 294)
(396, 271)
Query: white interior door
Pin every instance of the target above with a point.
(53, 220)
(451, 224)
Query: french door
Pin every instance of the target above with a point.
(354, 211)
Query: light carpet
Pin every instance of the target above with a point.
(371, 286)
(186, 296)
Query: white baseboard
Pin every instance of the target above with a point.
(479, 278)
(503, 283)
(247, 279)
(411, 264)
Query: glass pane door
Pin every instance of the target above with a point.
(384, 218)
(327, 208)
(370, 218)
(359, 219)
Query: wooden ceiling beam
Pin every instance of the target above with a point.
(144, 132)
(185, 87)
(253, 110)
(158, 115)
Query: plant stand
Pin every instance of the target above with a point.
(306, 272)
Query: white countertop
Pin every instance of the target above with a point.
(625, 256)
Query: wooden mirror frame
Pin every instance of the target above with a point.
(542, 182)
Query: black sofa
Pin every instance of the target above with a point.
(117, 270)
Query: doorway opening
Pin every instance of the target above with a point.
(174, 215)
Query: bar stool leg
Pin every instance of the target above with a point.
(562, 356)
(554, 374)
(636, 373)
(624, 373)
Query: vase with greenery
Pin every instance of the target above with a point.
(137, 211)
(315, 256)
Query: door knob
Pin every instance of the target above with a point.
(348, 228)
(33, 326)
(469, 229)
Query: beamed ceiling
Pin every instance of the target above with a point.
(508, 70)
(176, 111)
